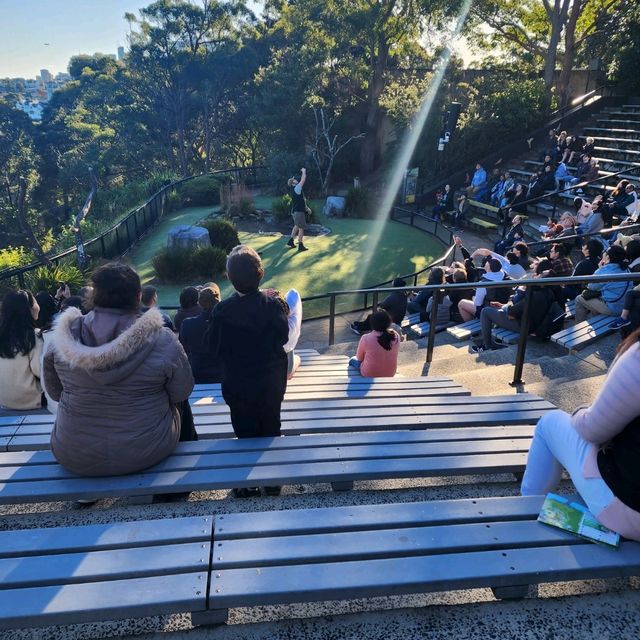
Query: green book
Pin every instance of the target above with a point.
(576, 518)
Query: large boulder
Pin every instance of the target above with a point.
(185, 236)
(334, 206)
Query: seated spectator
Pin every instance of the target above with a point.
(550, 144)
(598, 446)
(294, 318)
(573, 150)
(633, 255)
(561, 145)
(122, 382)
(516, 201)
(482, 194)
(395, 304)
(583, 169)
(444, 204)
(629, 319)
(20, 352)
(589, 146)
(457, 275)
(377, 354)
(189, 306)
(561, 265)
(460, 212)
(507, 187)
(509, 316)
(470, 309)
(592, 223)
(497, 189)
(419, 303)
(616, 205)
(248, 333)
(583, 209)
(510, 263)
(605, 298)
(513, 235)
(478, 182)
(150, 300)
(44, 322)
(592, 251)
(561, 175)
(522, 253)
(206, 369)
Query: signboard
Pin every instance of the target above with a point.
(410, 186)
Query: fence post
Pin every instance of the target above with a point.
(522, 341)
(118, 242)
(332, 320)
(374, 304)
(21, 280)
(433, 325)
(126, 224)
(135, 223)
(102, 247)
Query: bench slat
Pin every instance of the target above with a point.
(98, 537)
(388, 543)
(347, 580)
(99, 566)
(112, 600)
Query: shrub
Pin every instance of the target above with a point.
(200, 192)
(281, 208)
(359, 203)
(12, 257)
(209, 262)
(222, 233)
(236, 200)
(47, 278)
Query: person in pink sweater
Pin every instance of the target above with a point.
(377, 354)
(599, 446)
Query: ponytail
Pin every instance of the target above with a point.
(381, 321)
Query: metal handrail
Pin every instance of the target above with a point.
(527, 283)
(580, 236)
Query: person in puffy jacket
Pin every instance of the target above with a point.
(121, 380)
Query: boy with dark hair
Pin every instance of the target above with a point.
(248, 333)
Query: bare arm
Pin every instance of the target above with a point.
(303, 177)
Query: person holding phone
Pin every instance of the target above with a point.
(63, 293)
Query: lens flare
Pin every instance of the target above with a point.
(410, 141)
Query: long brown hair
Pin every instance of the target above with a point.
(631, 339)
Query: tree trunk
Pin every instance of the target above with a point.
(569, 53)
(557, 16)
(370, 151)
(25, 226)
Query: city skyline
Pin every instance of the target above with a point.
(45, 34)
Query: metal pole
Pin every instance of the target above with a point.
(332, 320)
(374, 304)
(432, 325)
(21, 280)
(522, 341)
(102, 248)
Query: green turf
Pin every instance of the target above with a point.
(345, 259)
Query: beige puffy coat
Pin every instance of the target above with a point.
(117, 377)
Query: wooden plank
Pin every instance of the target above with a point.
(465, 330)
(379, 438)
(150, 482)
(584, 333)
(110, 600)
(100, 537)
(96, 566)
(355, 579)
(422, 329)
(388, 543)
(583, 328)
(10, 421)
(283, 457)
(505, 336)
(234, 526)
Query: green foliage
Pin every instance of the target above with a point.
(13, 257)
(281, 208)
(222, 233)
(359, 203)
(47, 278)
(184, 265)
(200, 192)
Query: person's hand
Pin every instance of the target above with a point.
(303, 170)
(496, 305)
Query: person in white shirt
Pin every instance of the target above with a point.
(470, 309)
(510, 263)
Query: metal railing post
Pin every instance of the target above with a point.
(522, 341)
(332, 320)
(433, 322)
(21, 280)
(102, 247)
(374, 304)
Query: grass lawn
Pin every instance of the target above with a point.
(345, 259)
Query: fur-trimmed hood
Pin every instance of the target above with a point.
(105, 343)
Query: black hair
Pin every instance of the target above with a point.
(115, 286)
(512, 258)
(436, 276)
(381, 321)
(148, 294)
(633, 250)
(543, 265)
(577, 203)
(399, 282)
(617, 255)
(17, 326)
(189, 297)
(244, 269)
(74, 301)
(561, 248)
(522, 248)
(48, 310)
(495, 265)
(595, 248)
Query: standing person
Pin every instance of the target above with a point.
(20, 352)
(150, 300)
(121, 379)
(298, 210)
(248, 333)
(189, 307)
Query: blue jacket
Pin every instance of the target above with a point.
(611, 292)
(562, 171)
(479, 178)
(207, 368)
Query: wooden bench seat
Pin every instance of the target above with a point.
(366, 551)
(70, 575)
(465, 330)
(421, 329)
(584, 333)
(213, 422)
(505, 336)
(481, 225)
(27, 476)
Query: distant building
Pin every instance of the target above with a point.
(32, 109)
(46, 76)
(120, 53)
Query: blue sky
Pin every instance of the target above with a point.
(68, 26)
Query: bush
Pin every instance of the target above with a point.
(359, 203)
(236, 201)
(12, 257)
(184, 265)
(222, 233)
(47, 278)
(200, 192)
(281, 208)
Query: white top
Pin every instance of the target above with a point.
(514, 271)
(20, 376)
(481, 292)
(295, 319)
